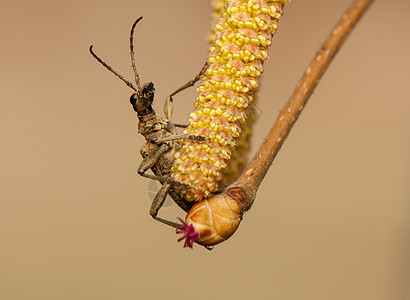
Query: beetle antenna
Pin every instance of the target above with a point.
(134, 68)
(111, 69)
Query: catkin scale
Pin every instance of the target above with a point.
(242, 35)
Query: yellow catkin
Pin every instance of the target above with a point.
(218, 7)
(243, 33)
(239, 157)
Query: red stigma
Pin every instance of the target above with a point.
(190, 235)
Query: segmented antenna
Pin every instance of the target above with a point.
(134, 68)
(112, 70)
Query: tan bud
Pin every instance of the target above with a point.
(215, 219)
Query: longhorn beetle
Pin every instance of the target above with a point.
(160, 135)
(227, 208)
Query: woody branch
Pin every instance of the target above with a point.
(253, 175)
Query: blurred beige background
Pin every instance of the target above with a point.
(330, 220)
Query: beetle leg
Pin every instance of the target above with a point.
(169, 102)
(171, 128)
(181, 125)
(166, 179)
(184, 136)
(191, 82)
(150, 160)
(169, 108)
(162, 179)
(157, 204)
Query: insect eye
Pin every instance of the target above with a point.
(133, 99)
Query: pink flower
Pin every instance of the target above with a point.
(190, 235)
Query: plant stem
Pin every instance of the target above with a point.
(245, 188)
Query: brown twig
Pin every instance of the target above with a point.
(245, 188)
